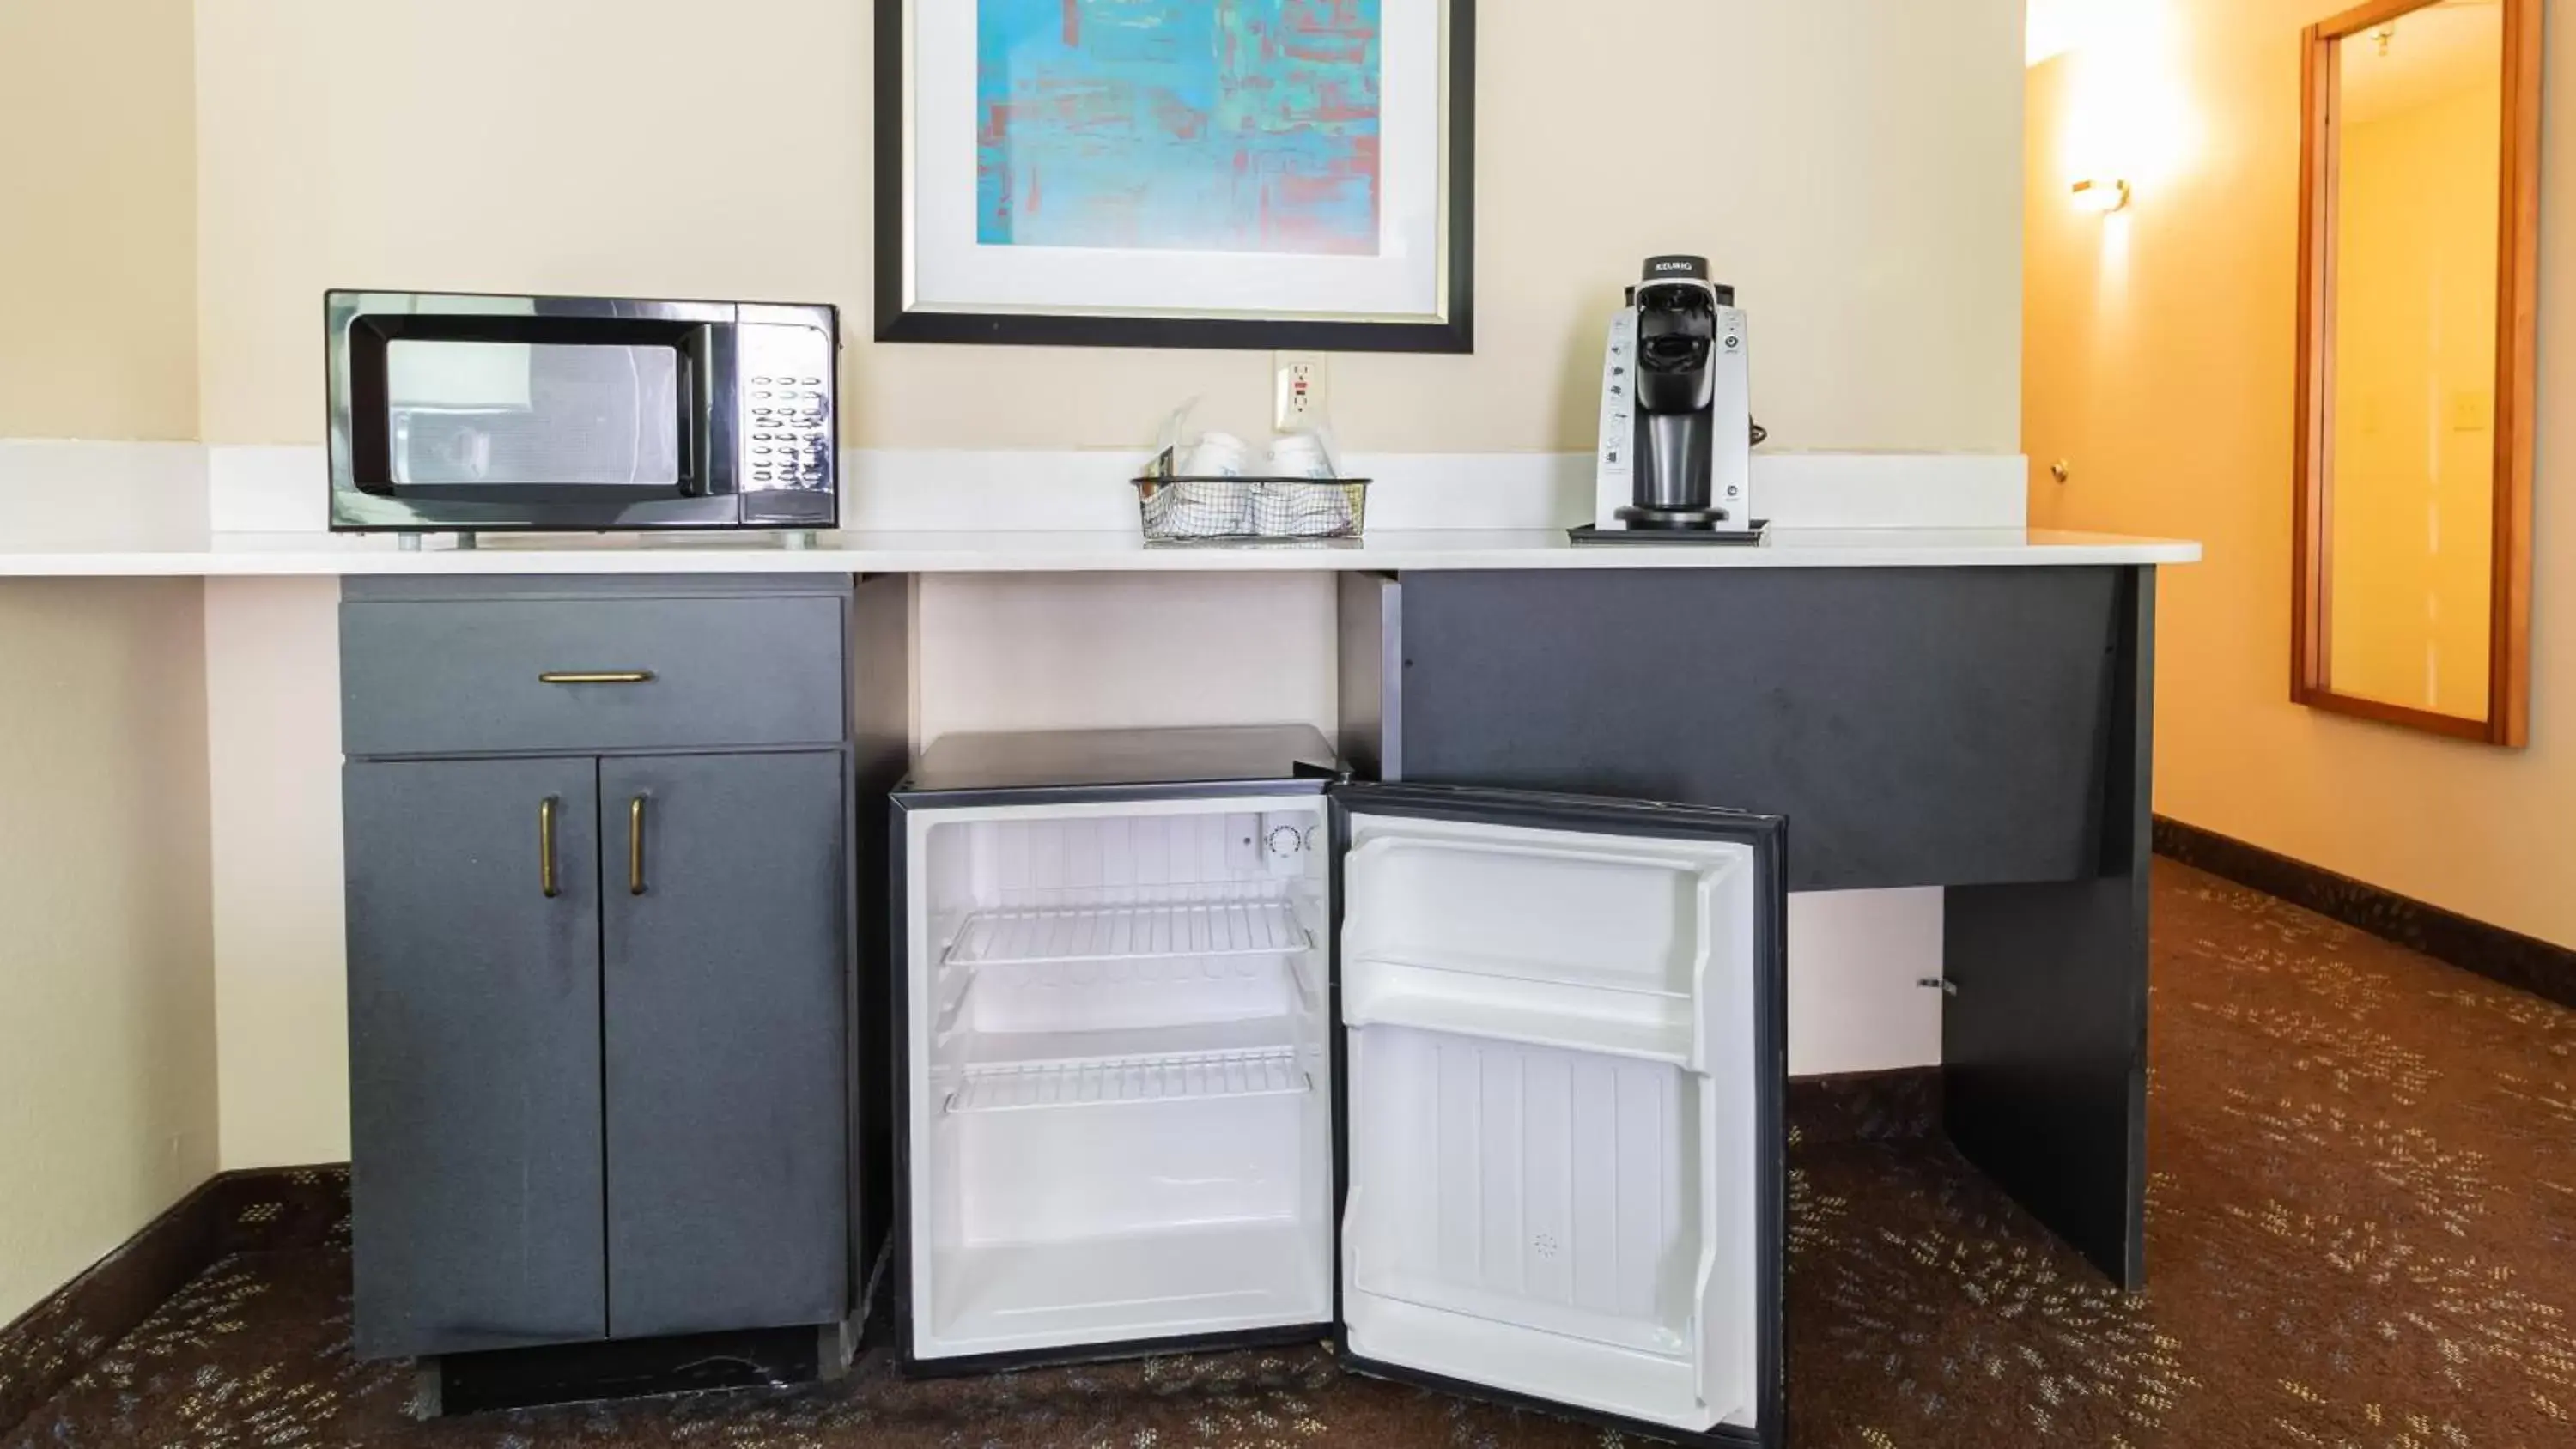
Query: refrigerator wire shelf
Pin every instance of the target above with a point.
(1191, 1076)
(1129, 933)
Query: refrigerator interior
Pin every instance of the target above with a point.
(1119, 1109)
(1553, 1176)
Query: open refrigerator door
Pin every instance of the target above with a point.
(1555, 1184)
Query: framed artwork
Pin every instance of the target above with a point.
(1260, 174)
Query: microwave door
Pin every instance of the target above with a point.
(1563, 1178)
(467, 414)
(496, 413)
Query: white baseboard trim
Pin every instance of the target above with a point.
(58, 490)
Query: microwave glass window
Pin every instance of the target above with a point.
(532, 413)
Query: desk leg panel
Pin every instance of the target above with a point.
(2044, 1046)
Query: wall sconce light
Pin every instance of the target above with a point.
(2103, 197)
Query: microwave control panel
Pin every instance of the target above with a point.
(786, 425)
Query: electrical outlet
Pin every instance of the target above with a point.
(2472, 410)
(1299, 396)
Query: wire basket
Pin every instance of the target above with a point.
(1251, 511)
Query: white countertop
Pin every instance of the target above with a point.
(223, 555)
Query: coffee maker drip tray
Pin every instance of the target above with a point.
(1658, 517)
(1640, 531)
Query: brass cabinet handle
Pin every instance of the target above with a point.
(607, 676)
(546, 848)
(635, 846)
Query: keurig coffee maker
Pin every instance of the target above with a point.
(1676, 457)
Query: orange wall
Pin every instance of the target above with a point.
(2158, 361)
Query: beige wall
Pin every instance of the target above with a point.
(2159, 363)
(98, 303)
(1848, 163)
(107, 1039)
(107, 1036)
(1856, 175)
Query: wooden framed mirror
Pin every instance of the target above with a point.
(2418, 261)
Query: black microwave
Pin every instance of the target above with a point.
(488, 413)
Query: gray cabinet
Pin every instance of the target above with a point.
(474, 1053)
(725, 1011)
(602, 901)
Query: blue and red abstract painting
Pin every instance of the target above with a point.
(1201, 125)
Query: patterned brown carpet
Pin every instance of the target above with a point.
(2363, 1234)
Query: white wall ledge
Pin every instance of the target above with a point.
(136, 510)
(311, 555)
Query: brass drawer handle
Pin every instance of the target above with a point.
(546, 848)
(635, 846)
(609, 676)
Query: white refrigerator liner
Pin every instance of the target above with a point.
(1553, 1179)
(1120, 1115)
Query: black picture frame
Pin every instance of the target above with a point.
(898, 321)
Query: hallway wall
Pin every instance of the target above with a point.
(2159, 363)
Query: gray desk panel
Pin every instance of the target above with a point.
(1917, 726)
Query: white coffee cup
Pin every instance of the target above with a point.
(1299, 455)
(1217, 455)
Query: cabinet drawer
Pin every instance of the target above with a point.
(452, 676)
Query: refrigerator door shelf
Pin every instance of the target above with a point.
(1530, 1362)
(1598, 928)
(1651, 1026)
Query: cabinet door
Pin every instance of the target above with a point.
(1563, 1177)
(727, 1007)
(474, 1095)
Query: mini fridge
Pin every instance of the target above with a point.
(1200, 1043)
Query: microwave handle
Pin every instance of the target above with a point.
(707, 410)
(689, 396)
